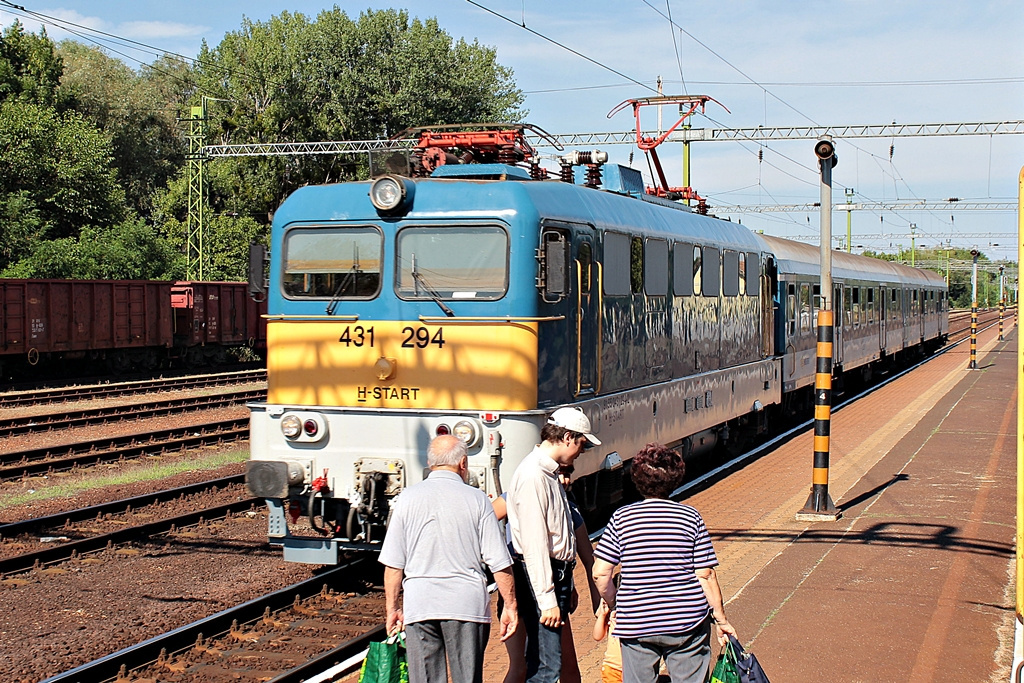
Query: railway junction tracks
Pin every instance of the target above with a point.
(16, 399)
(301, 630)
(92, 416)
(38, 461)
(60, 525)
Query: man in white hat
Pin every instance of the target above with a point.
(544, 541)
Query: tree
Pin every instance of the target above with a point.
(292, 79)
(138, 111)
(62, 164)
(131, 250)
(30, 68)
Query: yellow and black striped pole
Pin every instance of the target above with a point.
(974, 311)
(819, 506)
(974, 336)
(1002, 302)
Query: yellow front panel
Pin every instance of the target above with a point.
(454, 366)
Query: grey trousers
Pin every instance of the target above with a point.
(687, 656)
(432, 647)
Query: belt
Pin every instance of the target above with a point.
(557, 564)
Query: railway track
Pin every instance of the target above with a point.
(68, 548)
(16, 399)
(293, 633)
(960, 323)
(36, 461)
(93, 416)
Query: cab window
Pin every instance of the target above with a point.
(451, 262)
(332, 262)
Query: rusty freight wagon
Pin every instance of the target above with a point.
(71, 327)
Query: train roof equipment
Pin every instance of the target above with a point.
(691, 103)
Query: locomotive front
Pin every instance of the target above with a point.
(397, 312)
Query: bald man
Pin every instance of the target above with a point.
(442, 536)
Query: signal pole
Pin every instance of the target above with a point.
(974, 311)
(195, 223)
(819, 506)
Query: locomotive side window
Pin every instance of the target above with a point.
(585, 259)
(712, 273)
(791, 310)
(682, 276)
(338, 263)
(656, 267)
(451, 262)
(616, 264)
(698, 267)
(753, 274)
(730, 273)
(636, 265)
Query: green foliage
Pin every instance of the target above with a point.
(227, 243)
(129, 251)
(20, 226)
(30, 68)
(64, 165)
(137, 111)
(94, 155)
(290, 79)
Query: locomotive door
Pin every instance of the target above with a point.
(585, 284)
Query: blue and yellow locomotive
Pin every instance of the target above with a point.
(478, 299)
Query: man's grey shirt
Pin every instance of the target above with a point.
(442, 534)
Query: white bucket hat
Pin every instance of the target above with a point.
(574, 420)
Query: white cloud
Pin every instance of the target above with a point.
(154, 30)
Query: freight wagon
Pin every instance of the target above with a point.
(122, 325)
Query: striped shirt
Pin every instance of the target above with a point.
(659, 544)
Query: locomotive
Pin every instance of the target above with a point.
(61, 326)
(474, 298)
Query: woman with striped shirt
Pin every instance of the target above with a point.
(668, 593)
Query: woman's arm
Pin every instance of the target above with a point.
(713, 592)
(585, 550)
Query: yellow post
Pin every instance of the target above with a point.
(1020, 419)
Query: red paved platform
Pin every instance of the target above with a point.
(915, 581)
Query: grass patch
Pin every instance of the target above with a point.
(143, 472)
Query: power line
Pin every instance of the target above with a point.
(561, 45)
(897, 205)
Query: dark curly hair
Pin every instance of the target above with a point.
(657, 471)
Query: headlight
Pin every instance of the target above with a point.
(390, 193)
(466, 431)
(291, 426)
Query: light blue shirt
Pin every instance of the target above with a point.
(442, 535)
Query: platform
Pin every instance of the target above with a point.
(916, 581)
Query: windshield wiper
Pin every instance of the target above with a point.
(430, 290)
(350, 277)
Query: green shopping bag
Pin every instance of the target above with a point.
(725, 670)
(385, 661)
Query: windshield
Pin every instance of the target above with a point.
(464, 262)
(332, 263)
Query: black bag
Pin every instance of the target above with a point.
(749, 668)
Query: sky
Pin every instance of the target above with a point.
(772, 64)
